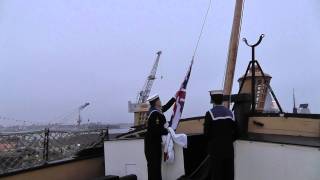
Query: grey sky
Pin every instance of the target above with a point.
(56, 55)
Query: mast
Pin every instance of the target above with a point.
(233, 49)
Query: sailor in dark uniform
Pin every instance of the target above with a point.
(220, 131)
(155, 129)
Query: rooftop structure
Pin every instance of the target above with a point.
(261, 87)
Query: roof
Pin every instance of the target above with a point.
(257, 74)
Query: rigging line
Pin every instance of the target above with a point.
(225, 73)
(201, 31)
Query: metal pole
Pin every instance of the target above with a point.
(253, 81)
(253, 75)
(46, 145)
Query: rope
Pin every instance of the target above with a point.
(201, 31)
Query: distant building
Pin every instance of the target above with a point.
(304, 109)
(140, 112)
(6, 147)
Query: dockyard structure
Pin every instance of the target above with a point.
(141, 106)
(140, 114)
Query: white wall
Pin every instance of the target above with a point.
(126, 157)
(270, 161)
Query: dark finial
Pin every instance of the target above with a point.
(256, 44)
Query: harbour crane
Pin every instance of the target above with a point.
(140, 107)
(145, 92)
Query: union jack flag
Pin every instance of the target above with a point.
(180, 99)
(176, 115)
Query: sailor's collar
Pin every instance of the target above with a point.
(153, 109)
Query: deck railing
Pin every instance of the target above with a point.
(19, 151)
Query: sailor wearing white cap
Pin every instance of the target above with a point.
(216, 94)
(220, 131)
(153, 98)
(155, 129)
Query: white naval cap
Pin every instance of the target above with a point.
(216, 92)
(153, 97)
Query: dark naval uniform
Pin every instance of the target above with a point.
(155, 129)
(220, 131)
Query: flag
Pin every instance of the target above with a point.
(176, 115)
(180, 99)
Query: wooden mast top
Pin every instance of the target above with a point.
(233, 49)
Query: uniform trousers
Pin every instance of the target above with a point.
(154, 159)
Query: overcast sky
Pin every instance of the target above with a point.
(57, 55)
